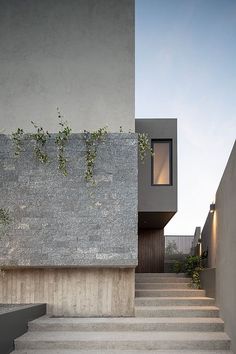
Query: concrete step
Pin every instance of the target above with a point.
(170, 292)
(123, 340)
(127, 324)
(139, 286)
(165, 275)
(161, 280)
(174, 301)
(102, 351)
(176, 311)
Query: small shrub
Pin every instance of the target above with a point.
(192, 266)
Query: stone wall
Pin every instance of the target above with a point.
(62, 221)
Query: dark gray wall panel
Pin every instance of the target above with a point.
(14, 323)
(157, 198)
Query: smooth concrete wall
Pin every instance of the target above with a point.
(222, 235)
(72, 292)
(209, 239)
(77, 55)
(157, 198)
(208, 281)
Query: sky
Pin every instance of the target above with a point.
(186, 69)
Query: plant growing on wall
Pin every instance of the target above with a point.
(92, 140)
(17, 138)
(40, 137)
(144, 146)
(61, 140)
(4, 217)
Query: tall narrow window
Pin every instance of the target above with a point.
(162, 162)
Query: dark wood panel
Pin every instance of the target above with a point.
(151, 251)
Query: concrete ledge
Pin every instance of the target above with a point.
(14, 322)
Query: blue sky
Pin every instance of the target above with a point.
(186, 68)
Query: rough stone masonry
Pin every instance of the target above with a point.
(61, 220)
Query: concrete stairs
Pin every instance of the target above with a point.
(170, 318)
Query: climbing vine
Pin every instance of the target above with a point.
(144, 146)
(61, 140)
(40, 137)
(17, 138)
(92, 139)
(4, 217)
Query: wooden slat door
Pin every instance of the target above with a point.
(151, 251)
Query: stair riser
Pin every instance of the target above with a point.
(161, 280)
(169, 302)
(170, 293)
(140, 286)
(160, 327)
(141, 345)
(162, 275)
(176, 313)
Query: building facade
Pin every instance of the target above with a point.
(71, 243)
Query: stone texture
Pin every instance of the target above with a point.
(63, 221)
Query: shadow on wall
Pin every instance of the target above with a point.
(208, 238)
(218, 236)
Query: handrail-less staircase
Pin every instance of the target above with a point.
(171, 318)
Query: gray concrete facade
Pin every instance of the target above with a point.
(77, 55)
(219, 235)
(157, 203)
(208, 281)
(60, 220)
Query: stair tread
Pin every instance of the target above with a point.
(170, 282)
(165, 278)
(127, 320)
(179, 290)
(162, 274)
(97, 351)
(187, 307)
(176, 298)
(122, 336)
(163, 284)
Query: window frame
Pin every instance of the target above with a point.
(170, 142)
